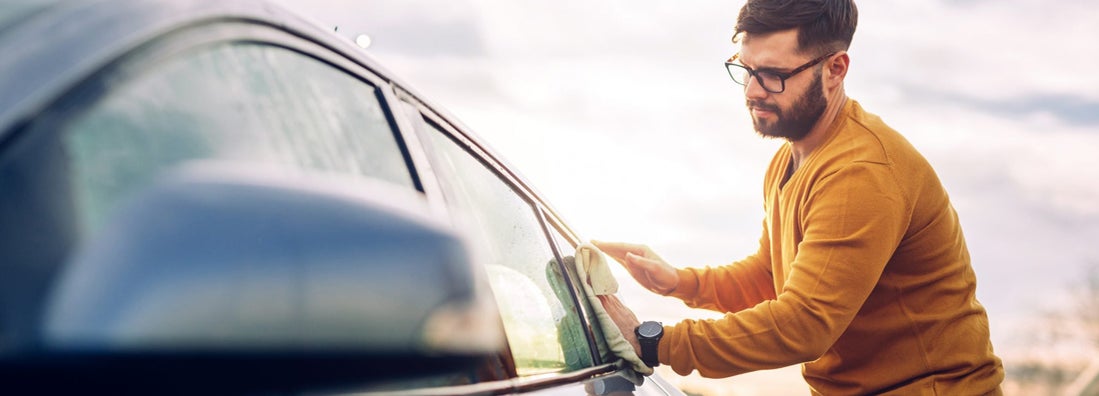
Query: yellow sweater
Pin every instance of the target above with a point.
(862, 274)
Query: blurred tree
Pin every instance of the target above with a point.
(1052, 357)
(1087, 304)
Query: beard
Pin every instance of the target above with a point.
(794, 124)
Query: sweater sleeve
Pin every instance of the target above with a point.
(729, 288)
(852, 222)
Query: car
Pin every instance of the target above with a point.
(221, 197)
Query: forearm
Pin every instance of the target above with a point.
(733, 287)
(730, 288)
(770, 335)
(837, 266)
(816, 306)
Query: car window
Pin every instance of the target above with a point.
(238, 102)
(13, 11)
(539, 314)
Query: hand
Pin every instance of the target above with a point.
(623, 317)
(644, 265)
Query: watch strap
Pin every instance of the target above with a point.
(650, 345)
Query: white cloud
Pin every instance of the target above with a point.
(985, 48)
(619, 29)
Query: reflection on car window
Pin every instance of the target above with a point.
(14, 11)
(242, 102)
(540, 318)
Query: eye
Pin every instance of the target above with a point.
(769, 76)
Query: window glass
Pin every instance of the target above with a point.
(237, 102)
(14, 11)
(540, 317)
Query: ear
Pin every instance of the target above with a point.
(835, 69)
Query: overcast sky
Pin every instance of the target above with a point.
(622, 115)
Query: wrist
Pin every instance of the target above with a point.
(686, 286)
(648, 336)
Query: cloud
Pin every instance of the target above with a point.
(628, 31)
(424, 29)
(1069, 108)
(983, 48)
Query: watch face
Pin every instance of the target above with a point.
(650, 329)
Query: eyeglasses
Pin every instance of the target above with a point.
(772, 81)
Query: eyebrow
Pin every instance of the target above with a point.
(775, 70)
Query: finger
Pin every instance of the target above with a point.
(618, 250)
(608, 300)
(617, 310)
(611, 305)
(655, 275)
(632, 265)
(603, 299)
(638, 271)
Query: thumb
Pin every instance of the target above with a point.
(654, 274)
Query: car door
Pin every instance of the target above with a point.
(130, 101)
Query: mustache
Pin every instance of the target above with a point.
(755, 104)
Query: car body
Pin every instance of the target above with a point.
(166, 168)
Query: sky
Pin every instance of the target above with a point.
(621, 114)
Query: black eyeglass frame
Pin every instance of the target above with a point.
(782, 76)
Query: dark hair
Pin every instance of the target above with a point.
(823, 25)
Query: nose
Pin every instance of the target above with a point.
(754, 90)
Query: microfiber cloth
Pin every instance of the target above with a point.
(596, 280)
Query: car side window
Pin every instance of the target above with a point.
(237, 102)
(539, 314)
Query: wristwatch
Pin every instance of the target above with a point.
(648, 335)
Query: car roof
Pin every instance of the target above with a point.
(52, 46)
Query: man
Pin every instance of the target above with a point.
(862, 273)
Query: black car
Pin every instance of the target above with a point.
(220, 197)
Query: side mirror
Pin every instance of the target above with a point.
(271, 283)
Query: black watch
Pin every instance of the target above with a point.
(648, 335)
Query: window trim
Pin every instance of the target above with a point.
(408, 117)
(513, 385)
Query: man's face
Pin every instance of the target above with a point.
(792, 113)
